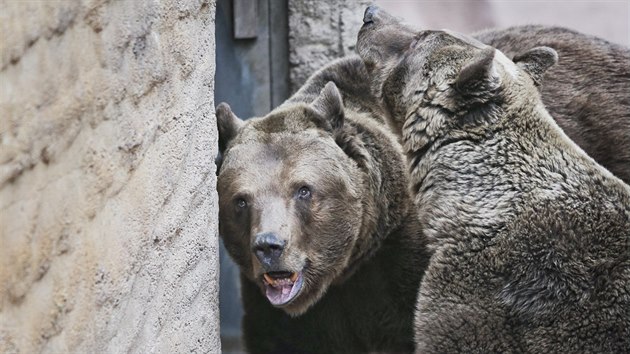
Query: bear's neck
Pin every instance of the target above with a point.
(387, 203)
(473, 185)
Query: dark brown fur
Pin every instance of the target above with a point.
(531, 235)
(357, 240)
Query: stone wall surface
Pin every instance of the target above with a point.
(320, 31)
(108, 232)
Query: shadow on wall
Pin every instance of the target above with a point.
(607, 19)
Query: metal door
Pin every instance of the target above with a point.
(252, 76)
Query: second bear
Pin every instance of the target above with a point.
(531, 235)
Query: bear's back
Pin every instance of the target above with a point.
(586, 92)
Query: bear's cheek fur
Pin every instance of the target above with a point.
(325, 242)
(235, 234)
(328, 239)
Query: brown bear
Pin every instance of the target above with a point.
(315, 210)
(531, 236)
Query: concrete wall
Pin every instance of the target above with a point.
(108, 233)
(320, 31)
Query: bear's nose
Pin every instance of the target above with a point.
(368, 15)
(268, 248)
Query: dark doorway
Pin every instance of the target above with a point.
(252, 76)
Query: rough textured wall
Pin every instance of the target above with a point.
(320, 31)
(107, 183)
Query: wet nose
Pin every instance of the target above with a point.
(268, 248)
(370, 12)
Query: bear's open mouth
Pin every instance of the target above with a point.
(282, 287)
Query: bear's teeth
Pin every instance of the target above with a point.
(280, 282)
(269, 279)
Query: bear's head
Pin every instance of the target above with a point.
(294, 206)
(430, 82)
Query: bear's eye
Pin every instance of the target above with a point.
(304, 193)
(241, 203)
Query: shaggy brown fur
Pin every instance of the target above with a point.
(531, 235)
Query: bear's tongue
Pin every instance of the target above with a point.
(279, 291)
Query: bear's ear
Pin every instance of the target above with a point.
(228, 125)
(480, 75)
(536, 61)
(329, 105)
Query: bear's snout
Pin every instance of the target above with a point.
(268, 248)
(368, 15)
